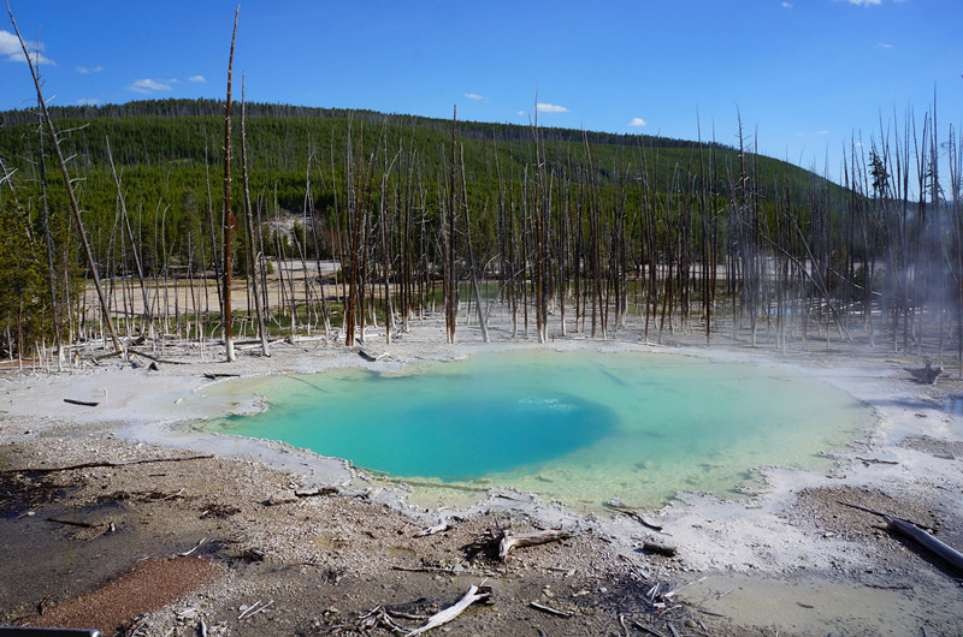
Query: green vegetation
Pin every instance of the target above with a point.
(165, 149)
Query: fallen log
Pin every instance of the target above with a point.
(371, 358)
(82, 403)
(659, 548)
(908, 530)
(99, 357)
(869, 461)
(509, 541)
(928, 541)
(149, 357)
(320, 491)
(97, 465)
(451, 613)
(215, 375)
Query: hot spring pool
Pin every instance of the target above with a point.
(578, 427)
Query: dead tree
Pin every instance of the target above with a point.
(68, 183)
(228, 218)
(253, 258)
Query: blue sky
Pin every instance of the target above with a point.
(804, 72)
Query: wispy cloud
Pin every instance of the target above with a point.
(88, 101)
(637, 122)
(545, 107)
(11, 52)
(786, 4)
(148, 85)
(865, 3)
(89, 70)
(197, 79)
(475, 97)
(885, 45)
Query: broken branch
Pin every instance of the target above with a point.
(551, 611)
(95, 465)
(451, 613)
(509, 541)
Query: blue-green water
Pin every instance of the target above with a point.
(580, 427)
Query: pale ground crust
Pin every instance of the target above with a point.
(785, 557)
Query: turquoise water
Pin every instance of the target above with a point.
(579, 427)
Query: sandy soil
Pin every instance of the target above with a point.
(786, 558)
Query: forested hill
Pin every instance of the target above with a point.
(392, 192)
(178, 135)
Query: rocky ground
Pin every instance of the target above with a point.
(247, 542)
(320, 561)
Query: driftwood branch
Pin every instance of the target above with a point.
(320, 491)
(551, 611)
(508, 541)
(442, 617)
(371, 358)
(432, 530)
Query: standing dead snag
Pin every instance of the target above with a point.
(252, 256)
(471, 253)
(228, 217)
(68, 183)
(451, 282)
(121, 200)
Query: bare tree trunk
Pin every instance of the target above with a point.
(253, 258)
(471, 251)
(228, 218)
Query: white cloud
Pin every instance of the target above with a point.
(11, 52)
(786, 4)
(197, 79)
(545, 107)
(148, 85)
(637, 122)
(822, 133)
(865, 3)
(89, 70)
(475, 97)
(884, 45)
(88, 101)
(521, 113)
